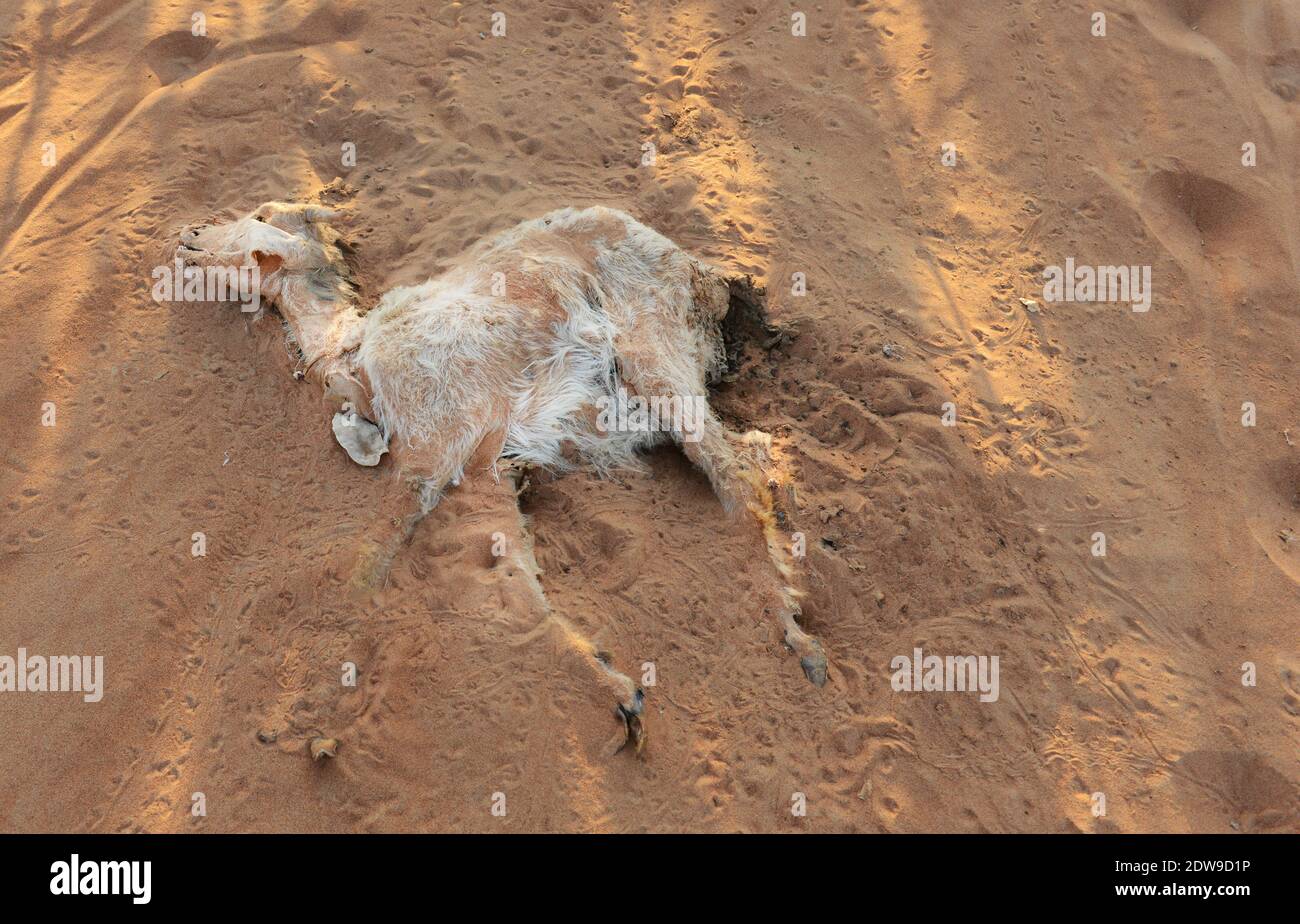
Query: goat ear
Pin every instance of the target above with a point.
(319, 213)
(267, 262)
(363, 441)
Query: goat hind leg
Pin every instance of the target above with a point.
(812, 658)
(737, 468)
(522, 571)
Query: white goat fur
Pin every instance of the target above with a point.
(441, 354)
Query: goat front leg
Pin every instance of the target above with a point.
(400, 512)
(738, 469)
(430, 470)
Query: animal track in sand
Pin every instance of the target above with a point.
(1213, 208)
(1284, 74)
(177, 54)
(1189, 12)
(1255, 796)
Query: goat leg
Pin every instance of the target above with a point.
(521, 565)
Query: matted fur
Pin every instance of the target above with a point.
(451, 357)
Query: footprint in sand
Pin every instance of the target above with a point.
(177, 54)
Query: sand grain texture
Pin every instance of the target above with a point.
(775, 155)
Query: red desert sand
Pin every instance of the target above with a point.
(904, 179)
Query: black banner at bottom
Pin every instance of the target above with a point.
(334, 874)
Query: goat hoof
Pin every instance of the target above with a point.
(814, 665)
(811, 656)
(631, 716)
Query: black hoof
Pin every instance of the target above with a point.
(636, 733)
(814, 667)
